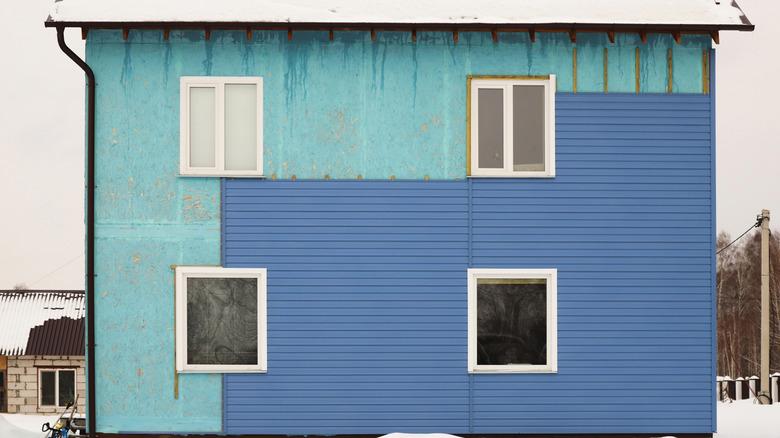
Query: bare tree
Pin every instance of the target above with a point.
(738, 287)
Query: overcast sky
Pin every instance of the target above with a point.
(42, 141)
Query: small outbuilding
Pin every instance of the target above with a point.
(41, 350)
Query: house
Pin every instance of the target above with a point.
(356, 218)
(41, 350)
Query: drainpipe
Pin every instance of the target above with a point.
(90, 237)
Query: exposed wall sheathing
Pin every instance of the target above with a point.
(387, 108)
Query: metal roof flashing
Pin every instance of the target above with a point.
(701, 16)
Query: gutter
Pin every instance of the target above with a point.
(676, 30)
(90, 226)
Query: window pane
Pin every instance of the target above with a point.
(67, 389)
(47, 387)
(202, 127)
(241, 126)
(222, 321)
(528, 127)
(3, 407)
(511, 322)
(490, 117)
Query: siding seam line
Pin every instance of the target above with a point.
(471, 220)
(470, 264)
(222, 215)
(222, 244)
(713, 243)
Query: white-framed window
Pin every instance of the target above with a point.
(220, 319)
(512, 321)
(512, 126)
(56, 386)
(221, 126)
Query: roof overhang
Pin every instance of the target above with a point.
(572, 16)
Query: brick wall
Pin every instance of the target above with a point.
(22, 374)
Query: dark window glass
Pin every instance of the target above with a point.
(222, 321)
(48, 387)
(67, 388)
(511, 322)
(3, 407)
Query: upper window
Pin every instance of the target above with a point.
(221, 126)
(56, 387)
(220, 319)
(512, 321)
(512, 127)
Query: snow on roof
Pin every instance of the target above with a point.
(21, 311)
(715, 14)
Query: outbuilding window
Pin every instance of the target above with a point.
(221, 126)
(3, 405)
(512, 126)
(220, 319)
(56, 387)
(512, 320)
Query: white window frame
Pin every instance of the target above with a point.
(56, 384)
(185, 272)
(506, 84)
(218, 83)
(551, 277)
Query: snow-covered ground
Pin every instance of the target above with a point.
(741, 419)
(24, 426)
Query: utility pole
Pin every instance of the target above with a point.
(764, 396)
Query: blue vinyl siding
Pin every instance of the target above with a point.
(365, 319)
(367, 286)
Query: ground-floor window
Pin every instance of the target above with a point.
(56, 387)
(220, 319)
(512, 321)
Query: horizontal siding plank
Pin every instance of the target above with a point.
(618, 117)
(455, 411)
(605, 416)
(634, 100)
(572, 125)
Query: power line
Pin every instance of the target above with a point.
(54, 271)
(735, 240)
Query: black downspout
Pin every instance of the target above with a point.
(90, 225)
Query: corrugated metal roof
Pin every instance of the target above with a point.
(64, 336)
(55, 318)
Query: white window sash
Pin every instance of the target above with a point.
(551, 278)
(218, 83)
(549, 127)
(56, 372)
(185, 272)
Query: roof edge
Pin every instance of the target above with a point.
(390, 26)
